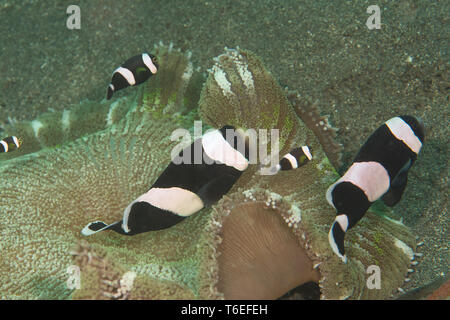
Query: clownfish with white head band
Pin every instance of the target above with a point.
(132, 72)
(296, 158)
(9, 144)
(380, 170)
(185, 187)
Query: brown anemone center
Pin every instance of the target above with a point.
(260, 257)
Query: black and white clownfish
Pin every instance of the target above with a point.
(134, 71)
(296, 158)
(9, 144)
(380, 169)
(185, 188)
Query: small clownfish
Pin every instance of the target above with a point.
(9, 144)
(296, 158)
(185, 188)
(380, 170)
(134, 71)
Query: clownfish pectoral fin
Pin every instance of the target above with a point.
(336, 240)
(213, 191)
(395, 192)
(397, 186)
(97, 226)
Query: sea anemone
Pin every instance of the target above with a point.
(266, 226)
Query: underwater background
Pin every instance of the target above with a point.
(322, 49)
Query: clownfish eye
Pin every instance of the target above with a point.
(154, 60)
